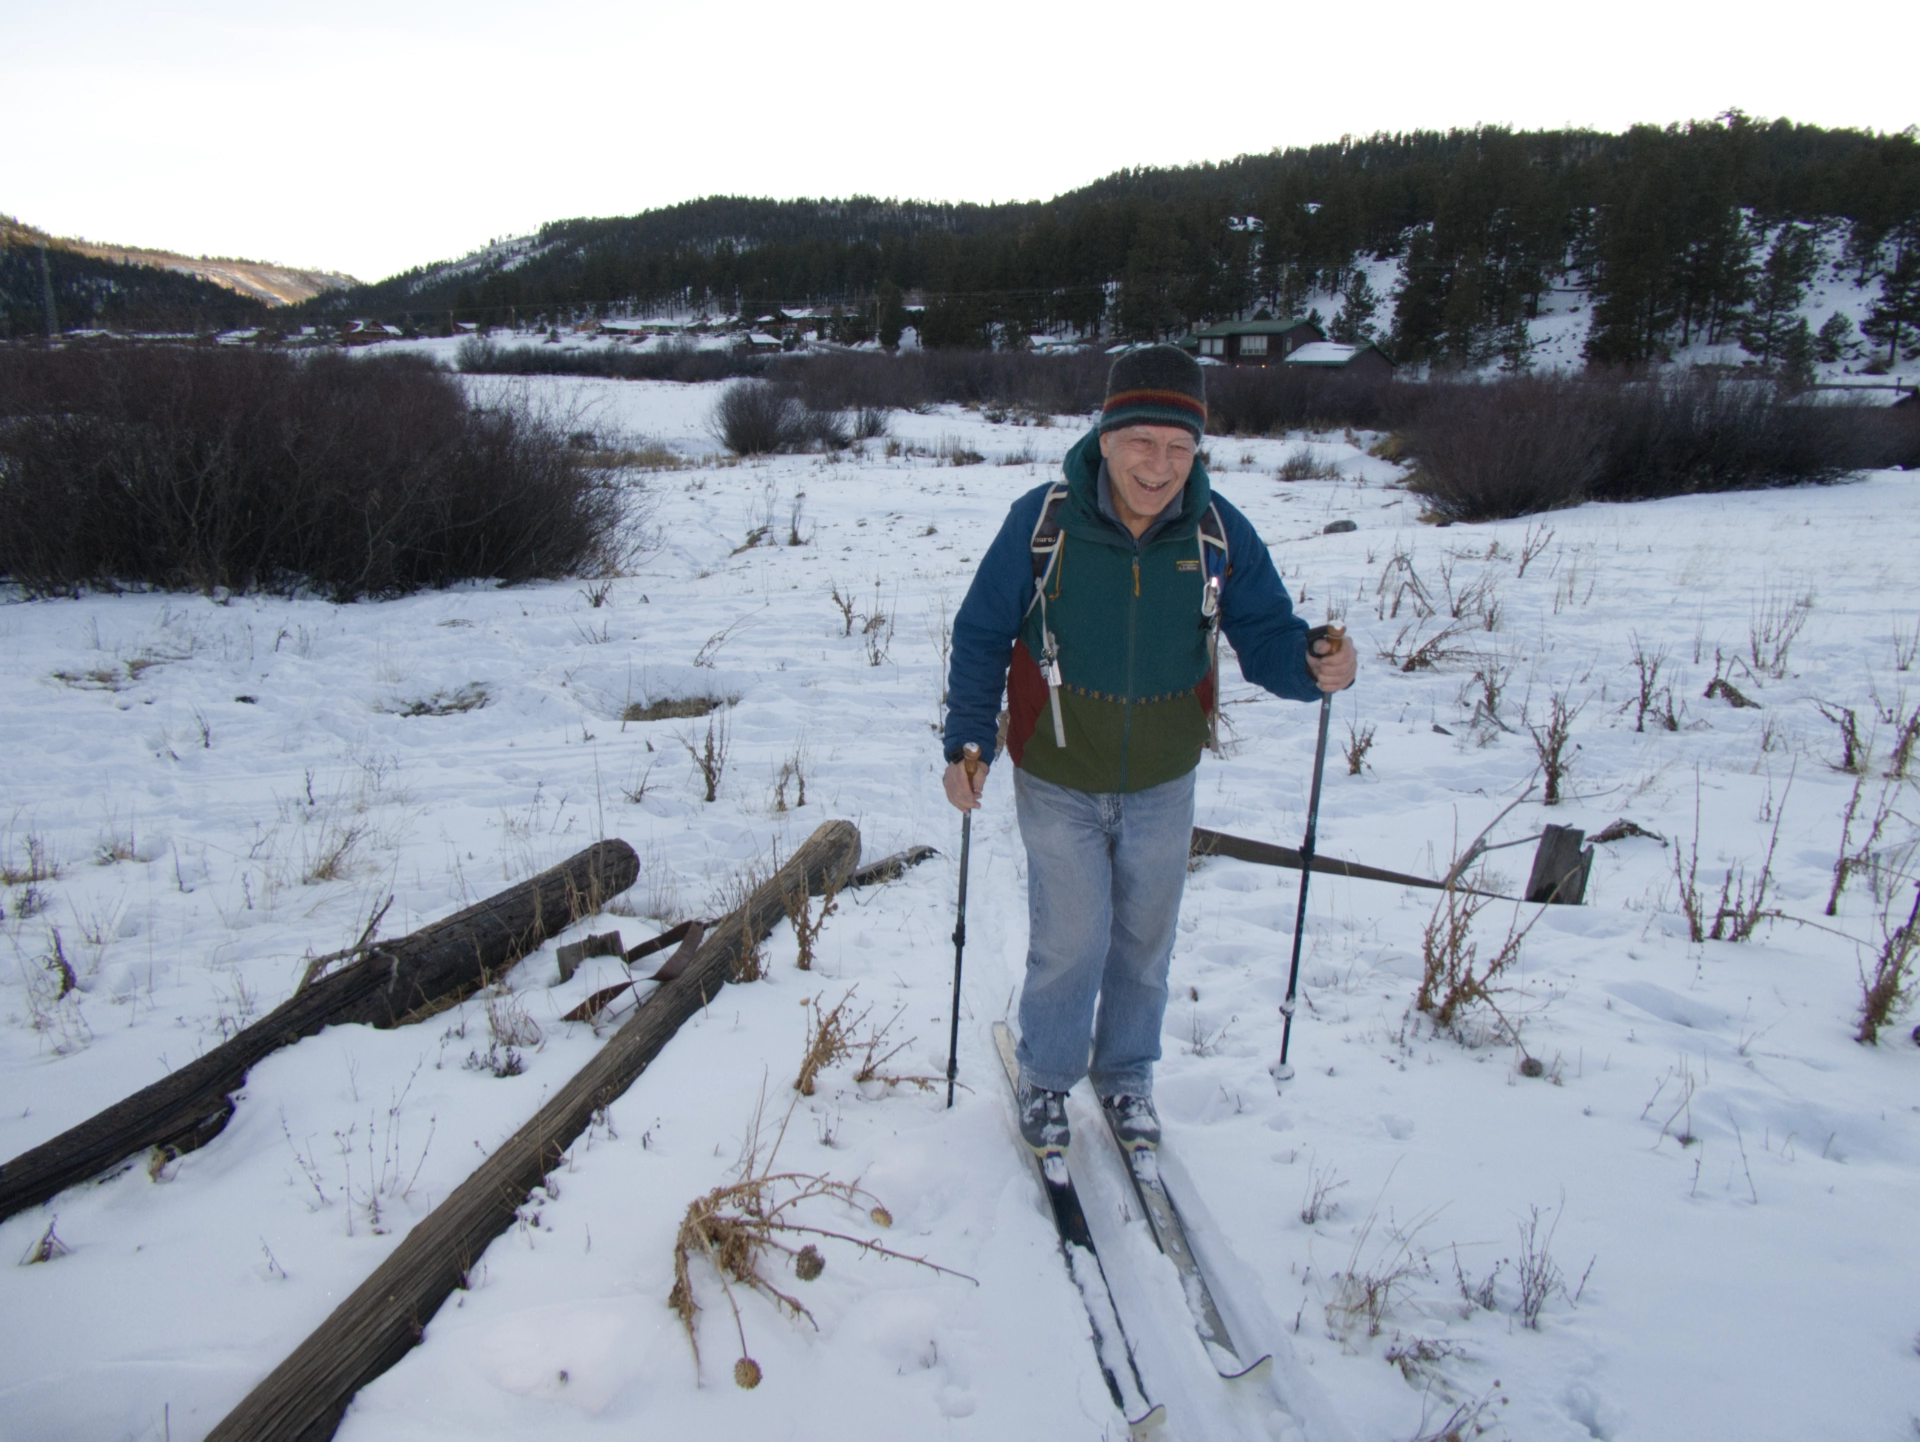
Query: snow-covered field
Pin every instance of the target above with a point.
(1720, 1177)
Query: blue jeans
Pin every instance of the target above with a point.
(1105, 871)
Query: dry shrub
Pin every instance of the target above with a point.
(1550, 741)
(1737, 915)
(1508, 449)
(211, 469)
(671, 363)
(1359, 743)
(1889, 989)
(1532, 444)
(1453, 977)
(711, 757)
(831, 1039)
(1362, 1296)
(806, 925)
(739, 1227)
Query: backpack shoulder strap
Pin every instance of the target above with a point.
(1213, 543)
(1045, 542)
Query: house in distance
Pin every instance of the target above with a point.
(1252, 342)
(1368, 362)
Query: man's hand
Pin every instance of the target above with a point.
(963, 792)
(1332, 661)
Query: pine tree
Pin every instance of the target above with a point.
(1795, 354)
(1353, 324)
(893, 314)
(1834, 342)
(1778, 291)
(1895, 317)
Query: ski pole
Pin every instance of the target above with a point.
(1336, 636)
(970, 759)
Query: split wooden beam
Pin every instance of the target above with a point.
(391, 984)
(303, 1399)
(1559, 868)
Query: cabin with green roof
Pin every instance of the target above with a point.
(1251, 342)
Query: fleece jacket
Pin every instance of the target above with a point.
(1126, 615)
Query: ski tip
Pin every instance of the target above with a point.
(1151, 1427)
(1255, 1374)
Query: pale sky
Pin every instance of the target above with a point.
(370, 137)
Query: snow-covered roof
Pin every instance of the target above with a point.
(1325, 353)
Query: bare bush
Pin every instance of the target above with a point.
(1453, 976)
(711, 757)
(1888, 989)
(1853, 753)
(1858, 858)
(242, 470)
(1741, 906)
(1507, 450)
(1647, 665)
(674, 363)
(1550, 741)
(806, 925)
(753, 418)
(1411, 651)
(1359, 742)
(1776, 622)
(1532, 444)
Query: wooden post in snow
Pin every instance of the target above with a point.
(303, 1398)
(393, 984)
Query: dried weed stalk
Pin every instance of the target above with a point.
(711, 758)
(1410, 652)
(740, 1227)
(1359, 742)
(1859, 858)
(1550, 741)
(1889, 989)
(831, 1039)
(1739, 911)
(1453, 977)
(806, 925)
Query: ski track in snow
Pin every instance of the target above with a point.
(184, 821)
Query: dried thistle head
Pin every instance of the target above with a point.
(735, 1226)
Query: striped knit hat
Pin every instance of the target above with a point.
(1157, 385)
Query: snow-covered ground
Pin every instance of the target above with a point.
(1721, 1176)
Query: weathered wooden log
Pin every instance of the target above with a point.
(303, 1398)
(890, 868)
(391, 985)
(1265, 853)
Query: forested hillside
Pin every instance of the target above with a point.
(90, 292)
(1701, 231)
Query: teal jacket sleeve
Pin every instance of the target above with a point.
(1257, 613)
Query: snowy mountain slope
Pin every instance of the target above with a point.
(1736, 1169)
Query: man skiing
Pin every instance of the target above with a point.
(1095, 610)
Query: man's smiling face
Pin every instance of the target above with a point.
(1149, 466)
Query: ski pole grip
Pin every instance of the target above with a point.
(1332, 636)
(970, 760)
